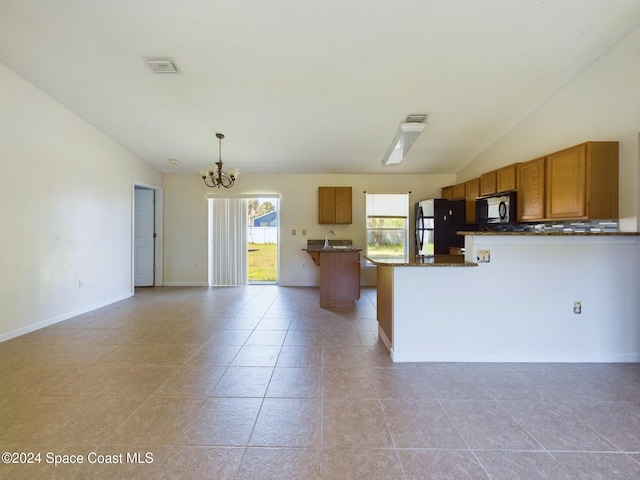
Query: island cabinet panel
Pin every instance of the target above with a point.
(458, 192)
(334, 204)
(582, 182)
(339, 279)
(531, 190)
(472, 193)
(506, 179)
(384, 289)
(488, 184)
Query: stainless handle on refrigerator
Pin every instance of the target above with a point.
(420, 239)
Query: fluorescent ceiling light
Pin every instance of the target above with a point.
(404, 138)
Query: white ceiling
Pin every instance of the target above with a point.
(303, 86)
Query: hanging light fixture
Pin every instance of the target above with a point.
(213, 175)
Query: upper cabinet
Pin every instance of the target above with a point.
(581, 182)
(577, 183)
(488, 183)
(497, 181)
(530, 178)
(458, 192)
(507, 178)
(472, 191)
(334, 204)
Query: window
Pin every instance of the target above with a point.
(387, 225)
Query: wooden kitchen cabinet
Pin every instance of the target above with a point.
(503, 179)
(582, 182)
(488, 183)
(458, 192)
(339, 278)
(530, 178)
(447, 193)
(506, 179)
(334, 204)
(472, 189)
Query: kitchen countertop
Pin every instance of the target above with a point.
(423, 261)
(334, 246)
(316, 247)
(550, 234)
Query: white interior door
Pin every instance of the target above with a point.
(144, 240)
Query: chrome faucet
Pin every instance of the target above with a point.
(326, 238)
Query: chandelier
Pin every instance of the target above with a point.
(213, 175)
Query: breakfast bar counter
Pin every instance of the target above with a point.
(516, 298)
(421, 261)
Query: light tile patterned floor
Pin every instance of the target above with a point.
(258, 382)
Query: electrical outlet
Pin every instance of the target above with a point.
(577, 307)
(80, 283)
(293, 232)
(483, 256)
(304, 232)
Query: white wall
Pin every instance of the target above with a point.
(601, 104)
(65, 207)
(185, 224)
(519, 306)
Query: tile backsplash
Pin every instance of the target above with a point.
(591, 226)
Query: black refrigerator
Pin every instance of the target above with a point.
(437, 221)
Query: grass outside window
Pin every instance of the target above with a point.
(262, 262)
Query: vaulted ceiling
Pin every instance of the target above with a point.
(303, 86)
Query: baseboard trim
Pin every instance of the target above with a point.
(60, 318)
(400, 357)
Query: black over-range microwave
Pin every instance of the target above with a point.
(500, 208)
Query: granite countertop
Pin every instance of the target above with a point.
(551, 234)
(334, 246)
(423, 261)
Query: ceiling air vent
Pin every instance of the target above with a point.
(163, 65)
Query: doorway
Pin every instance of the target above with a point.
(262, 239)
(243, 239)
(146, 249)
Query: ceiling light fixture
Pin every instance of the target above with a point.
(407, 133)
(213, 175)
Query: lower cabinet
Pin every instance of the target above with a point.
(339, 279)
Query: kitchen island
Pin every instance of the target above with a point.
(389, 277)
(339, 272)
(518, 306)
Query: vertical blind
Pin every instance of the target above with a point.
(228, 241)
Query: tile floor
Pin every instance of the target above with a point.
(258, 382)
